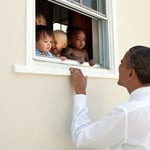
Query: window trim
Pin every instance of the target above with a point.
(56, 68)
(83, 10)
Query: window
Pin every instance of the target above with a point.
(94, 16)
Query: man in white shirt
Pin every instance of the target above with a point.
(126, 127)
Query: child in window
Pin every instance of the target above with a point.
(76, 46)
(60, 42)
(44, 39)
(40, 19)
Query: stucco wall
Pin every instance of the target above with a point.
(36, 110)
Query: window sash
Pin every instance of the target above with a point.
(72, 6)
(99, 5)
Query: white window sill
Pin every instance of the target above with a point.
(61, 68)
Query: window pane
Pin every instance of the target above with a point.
(77, 1)
(104, 52)
(101, 4)
(90, 3)
(98, 5)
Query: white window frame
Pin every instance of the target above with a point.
(53, 66)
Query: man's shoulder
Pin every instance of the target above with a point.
(130, 106)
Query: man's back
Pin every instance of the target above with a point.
(137, 121)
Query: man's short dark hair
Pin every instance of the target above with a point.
(139, 58)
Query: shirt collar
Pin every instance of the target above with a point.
(143, 91)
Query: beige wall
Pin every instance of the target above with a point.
(133, 23)
(36, 110)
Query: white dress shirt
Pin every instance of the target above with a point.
(126, 127)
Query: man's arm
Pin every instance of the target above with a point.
(108, 131)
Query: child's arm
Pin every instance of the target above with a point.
(68, 52)
(91, 61)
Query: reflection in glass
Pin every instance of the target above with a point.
(102, 6)
(77, 1)
(90, 3)
(98, 5)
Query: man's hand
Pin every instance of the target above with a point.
(79, 81)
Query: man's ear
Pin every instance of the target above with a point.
(132, 73)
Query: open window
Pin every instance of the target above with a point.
(94, 16)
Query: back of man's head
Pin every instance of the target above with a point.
(139, 59)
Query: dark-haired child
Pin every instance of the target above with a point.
(76, 46)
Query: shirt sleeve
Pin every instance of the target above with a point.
(107, 132)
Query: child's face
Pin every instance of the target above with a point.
(40, 20)
(58, 45)
(44, 44)
(78, 40)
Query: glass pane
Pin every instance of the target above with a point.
(98, 5)
(90, 3)
(101, 6)
(77, 1)
(104, 53)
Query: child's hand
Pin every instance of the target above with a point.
(62, 58)
(92, 62)
(81, 60)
